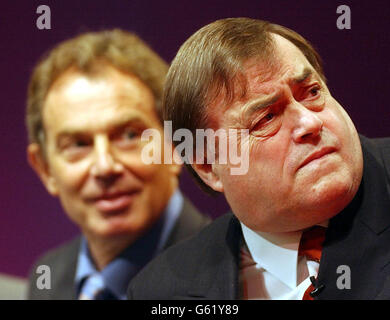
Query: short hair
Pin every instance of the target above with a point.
(211, 61)
(123, 50)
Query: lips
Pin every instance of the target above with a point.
(317, 155)
(114, 202)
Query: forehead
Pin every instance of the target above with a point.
(286, 64)
(77, 101)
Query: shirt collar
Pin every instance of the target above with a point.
(118, 273)
(276, 252)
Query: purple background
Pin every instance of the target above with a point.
(356, 65)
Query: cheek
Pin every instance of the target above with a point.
(152, 173)
(133, 162)
(238, 190)
(340, 124)
(338, 120)
(271, 165)
(271, 153)
(263, 172)
(349, 141)
(70, 177)
(250, 196)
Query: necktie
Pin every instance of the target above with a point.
(93, 289)
(311, 247)
(105, 294)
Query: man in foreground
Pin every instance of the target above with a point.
(311, 215)
(89, 101)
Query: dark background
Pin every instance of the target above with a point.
(356, 65)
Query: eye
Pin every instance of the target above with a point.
(81, 143)
(313, 97)
(269, 123)
(264, 121)
(129, 134)
(314, 91)
(75, 143)
(126, 138)
(269, 116)
(75, 148)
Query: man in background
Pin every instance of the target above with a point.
(89, 101)
(311, 214)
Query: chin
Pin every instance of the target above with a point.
(118, 227)
(333, 198)
(112, 228)
(109, 232)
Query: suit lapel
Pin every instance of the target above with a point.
(189, 222)
(62, 263)
(385, 153)
(217, 276)
(64, 276)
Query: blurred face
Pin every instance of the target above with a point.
(305, 159)
(93, 153)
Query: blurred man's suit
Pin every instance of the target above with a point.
(63, 260)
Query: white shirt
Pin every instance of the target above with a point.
(272, 268)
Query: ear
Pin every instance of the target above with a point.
(209, 174)
(177, 164)
(38, 162)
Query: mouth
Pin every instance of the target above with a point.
(115, 201)
(317, 155)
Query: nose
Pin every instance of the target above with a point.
(307, 124)
(105, 169)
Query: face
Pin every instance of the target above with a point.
(305, 158)
(93, 153)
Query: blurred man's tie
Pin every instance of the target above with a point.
(93, 289)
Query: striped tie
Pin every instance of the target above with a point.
(310, 246)
(93, 289)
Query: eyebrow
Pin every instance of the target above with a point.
(306, 73)
(115, 126)
(264, 102)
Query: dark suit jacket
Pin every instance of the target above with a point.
(63, 260)
(207, 265)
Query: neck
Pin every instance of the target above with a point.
(104, 250)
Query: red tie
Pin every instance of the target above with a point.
(311, 247)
